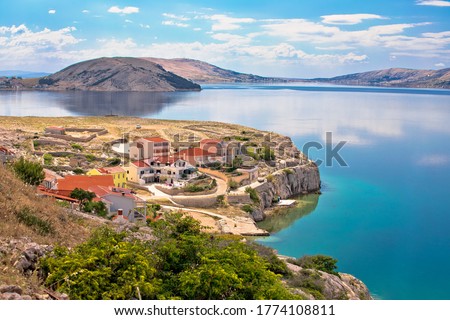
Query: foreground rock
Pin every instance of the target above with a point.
(327, 286)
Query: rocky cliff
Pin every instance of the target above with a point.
(286, 183)
(315, 284)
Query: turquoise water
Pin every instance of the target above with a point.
(385, 217)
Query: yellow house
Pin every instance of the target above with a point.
(119, 175)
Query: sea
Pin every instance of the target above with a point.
(384, 211)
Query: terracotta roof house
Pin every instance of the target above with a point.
(158, 169)
(119, 174)
(120, 199)
(198, 156)
(69, 183)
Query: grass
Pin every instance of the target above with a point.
(41, 226)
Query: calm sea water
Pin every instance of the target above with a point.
(385, 217)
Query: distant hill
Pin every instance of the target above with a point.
(395, 77)
(22, 74)
(116, 74)
(202, 72)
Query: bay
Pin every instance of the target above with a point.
(385, 216)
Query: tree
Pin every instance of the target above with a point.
(97, 207)
(181, 263)
(82, 195)
(28, 171)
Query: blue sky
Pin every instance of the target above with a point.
(273, 38)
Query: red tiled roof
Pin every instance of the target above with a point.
(56, 195)
(210, 141)
(140, 164)
(84, 182)
(101, 191)
(194, 152)
(156, 139)
(111, 170)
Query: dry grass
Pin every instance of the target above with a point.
(49, 223)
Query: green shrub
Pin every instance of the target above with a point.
(319, 262)
(78, 171)
(288, 171)
(233, 184)
(270, 178)
(180, 263)
(39, 225)
(96, 207)
(90, 157)
(28, 171)
(48, 159)
(76, 146)
(193, 188)
(221, 201)
(253, 194)
(82, 195)
(247, 208)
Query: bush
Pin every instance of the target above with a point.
(114, 162)
(90, 157)
(39, 225)
(96, 207)
(253, 194)
(247, 208)
(233, 184)
(78, 171)
(288, 171)
(48, 159)
(270, 178)
(28, 171)
(221, 202)
(180, 263)
(193, 188)
(319, 262)
(76, 146)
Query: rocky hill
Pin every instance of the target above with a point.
(202, 72)
(116, 74)
(395, 77)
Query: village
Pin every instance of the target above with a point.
(135, 178)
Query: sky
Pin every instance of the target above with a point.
(286, 38)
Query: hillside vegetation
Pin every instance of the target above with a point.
(24, 214)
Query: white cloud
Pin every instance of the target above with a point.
(349, 18)
(85, 11)
(435, 3)
(144, 26)
(174, 23)
(175, 17)
(128, 21)
(197, 29)
(434, 160)
(51, 11)
(440, 65)
(225, 23)
(124, 10)
(20, 46)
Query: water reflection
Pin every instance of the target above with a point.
(285, 217)
(36, 103)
